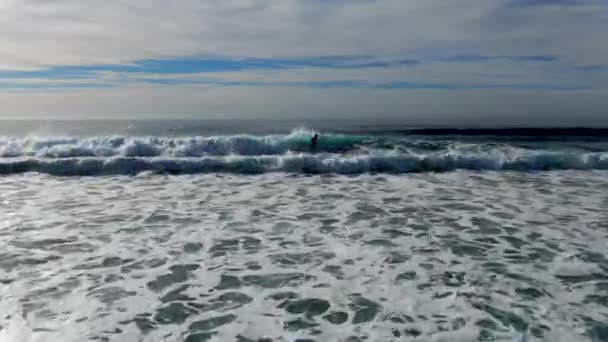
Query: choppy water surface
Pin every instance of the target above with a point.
(459, 256)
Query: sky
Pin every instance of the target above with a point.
(542, 61)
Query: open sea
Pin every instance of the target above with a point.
(231, 230)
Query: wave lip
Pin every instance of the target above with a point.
(393, 163)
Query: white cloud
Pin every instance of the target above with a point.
(37, 33)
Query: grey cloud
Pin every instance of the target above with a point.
(39, 33)
(569, 34)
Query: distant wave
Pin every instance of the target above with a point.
(511, 132)
(304, 163)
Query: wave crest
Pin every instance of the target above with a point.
(394, 162)
(247, 145)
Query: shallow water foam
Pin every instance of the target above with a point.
(456, 256)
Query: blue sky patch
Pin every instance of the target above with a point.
(149, 72)
(207, 65)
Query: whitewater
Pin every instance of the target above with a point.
(248, 154)
(136, 232)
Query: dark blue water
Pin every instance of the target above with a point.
(282, 126)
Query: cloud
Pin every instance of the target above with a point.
(525, 3)
(483, 58)
(40, 33)
(356, 50)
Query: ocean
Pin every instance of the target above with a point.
(240, 230)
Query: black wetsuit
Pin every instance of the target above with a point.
(314, 141)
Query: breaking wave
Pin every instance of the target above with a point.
(392, 162)
(247, 145)
(292, 153)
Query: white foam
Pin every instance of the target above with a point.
(368, 222)
(374, 162)
(194, 146)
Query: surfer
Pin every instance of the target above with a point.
(314, 141)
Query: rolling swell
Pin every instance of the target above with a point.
(539, 133)
(394, 163)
